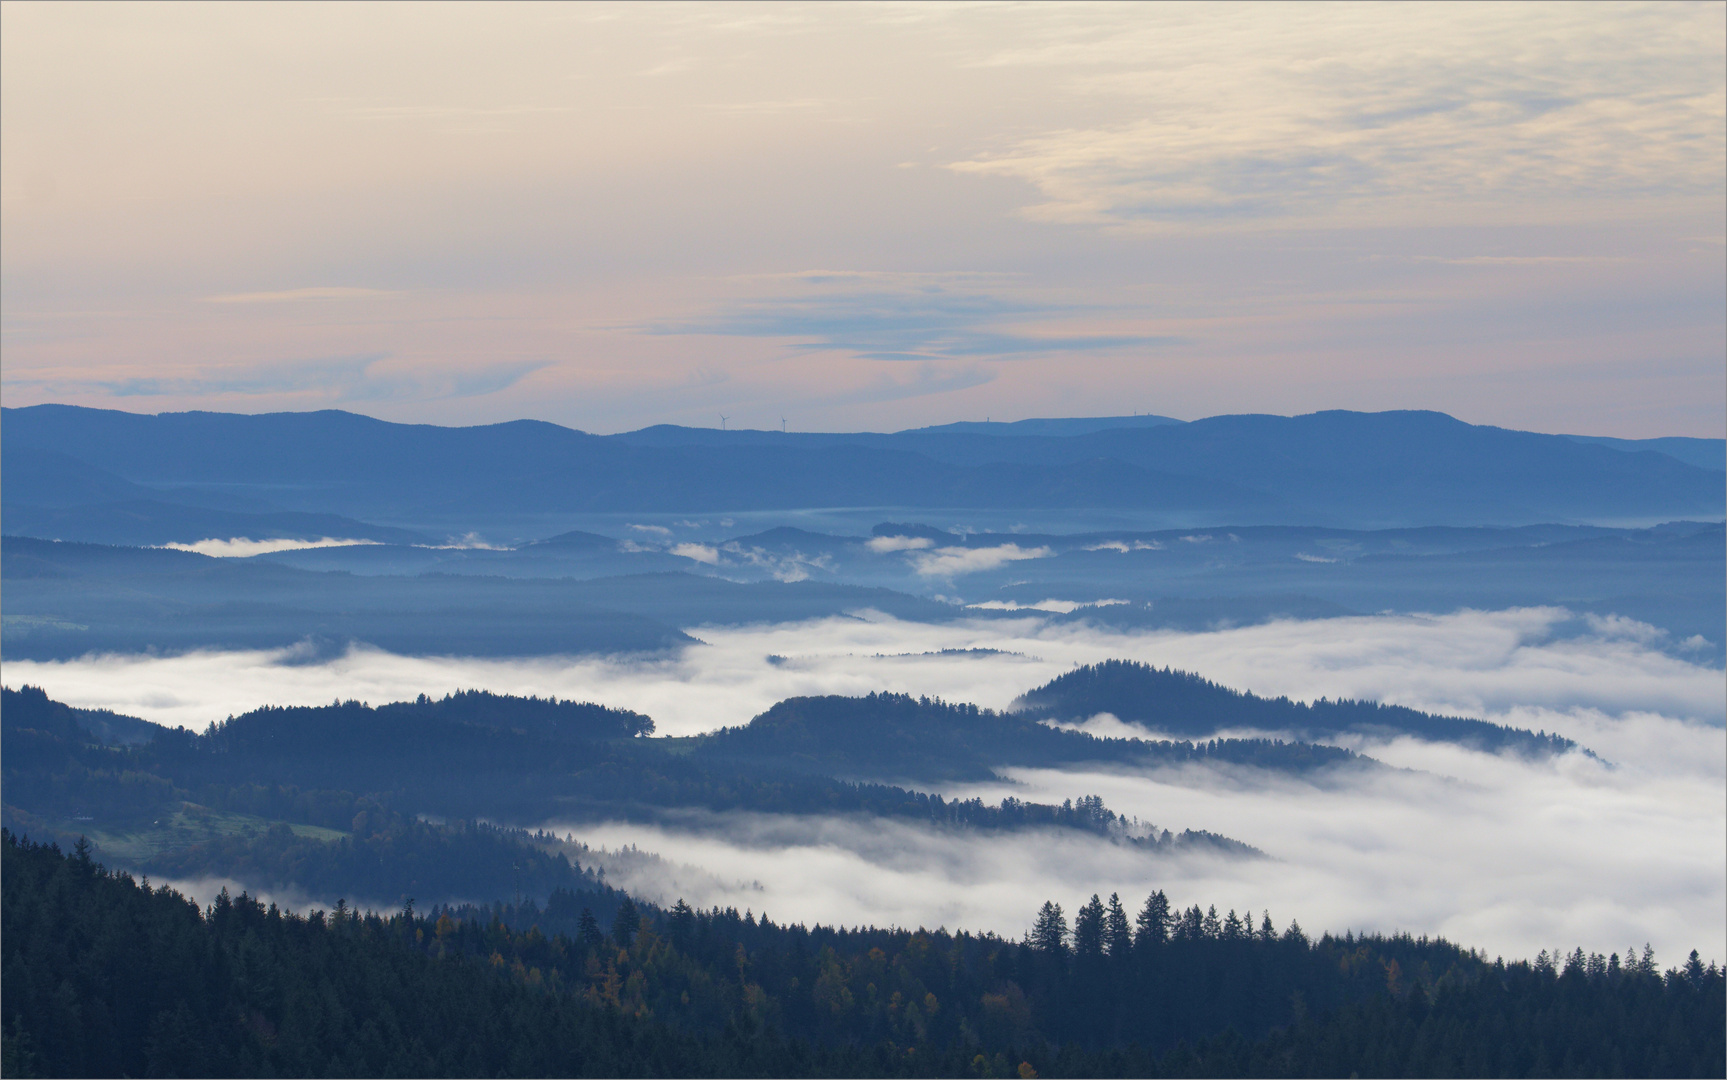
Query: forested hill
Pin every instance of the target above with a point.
(1188, 706)
(381, 803)
(106, 976)
(895, 736)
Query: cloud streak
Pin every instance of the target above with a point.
(953, 561)
(346, 379)
(241, 547)
(1320, 111)
(908, 319)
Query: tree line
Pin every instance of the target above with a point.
(104, 974)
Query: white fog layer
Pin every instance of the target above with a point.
(1502, 854)
(1496, 665)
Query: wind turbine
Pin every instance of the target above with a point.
(723, 419)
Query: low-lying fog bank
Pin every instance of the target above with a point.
(1487, 664)
(1505, 855)
(1499, 853)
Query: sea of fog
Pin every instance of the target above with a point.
(1499, 853)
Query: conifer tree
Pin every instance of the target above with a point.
(588, 931)
(1152, 925)
(1117, 937)
(1049, 933)
(1088, 928)
(626, 922)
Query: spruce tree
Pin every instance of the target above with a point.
(588, 931)
(626, 922)
(1049, 933)
(1088, 928)
(1152, 925)
(1117, 937)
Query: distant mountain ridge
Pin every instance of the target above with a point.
(1342, 468)
(1708, 454)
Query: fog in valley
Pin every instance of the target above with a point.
(1509, 855)
(1500, 665)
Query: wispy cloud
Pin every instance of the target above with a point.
(1060, 607)
(884, 544)
(910, 317)
(1124, 547)
(952, 561)
(701, 553)
(334, 379)
(241, 547)
(1310, 112)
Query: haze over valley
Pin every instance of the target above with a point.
(150, 593)
(992, 541)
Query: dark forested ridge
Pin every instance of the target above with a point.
(898, 736)
(379, 803)
(341, 798)
(526, 962)
(106, 976)
(1186, 705)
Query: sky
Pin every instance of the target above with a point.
(847, 217)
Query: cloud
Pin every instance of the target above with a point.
(907, 317)
(949, 561)
(470, 541)
(1061, 607)
(204, 890)
(241, 547)
(1105, 726)
(1124, 547)
(795, 566)
(701, 553)
(1332, 113)
(883, 544)
(341, 379)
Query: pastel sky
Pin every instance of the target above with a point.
(868, 217)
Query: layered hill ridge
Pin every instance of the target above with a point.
(1330, 467)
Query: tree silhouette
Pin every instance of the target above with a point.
(1049, 934)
